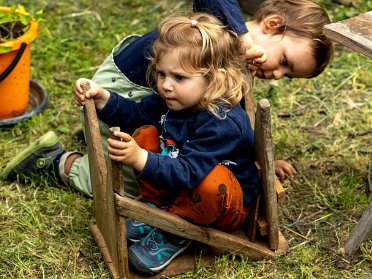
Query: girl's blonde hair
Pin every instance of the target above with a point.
(209, 48)
(303, 18)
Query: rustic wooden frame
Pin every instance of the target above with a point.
(111, 207)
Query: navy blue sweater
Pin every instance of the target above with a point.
(203, 141)
(132, 60)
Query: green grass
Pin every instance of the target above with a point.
(44, 228)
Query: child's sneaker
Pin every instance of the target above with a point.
(42, 156)
(153, 253)
(137, 230)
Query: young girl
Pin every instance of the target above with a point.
(202, 165)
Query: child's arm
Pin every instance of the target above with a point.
(127, 151)
(99, 95)
(228, 12)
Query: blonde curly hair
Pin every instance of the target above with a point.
(208, 48)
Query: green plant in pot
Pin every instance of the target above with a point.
(18, 29)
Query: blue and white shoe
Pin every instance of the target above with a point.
(153, 253)
(137, 230)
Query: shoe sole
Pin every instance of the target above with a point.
(47, 140)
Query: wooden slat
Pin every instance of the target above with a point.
(262, 226)
(249, 102)
(355, 33)
(102, 195)
(101, 243)
(176, 225)
(280, 193)
(265, 159)
(116, 183)
(360, 233)
(251, 223)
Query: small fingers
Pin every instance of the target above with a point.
(255, 52)
(123, 136)
(284, 169)
(280, 173)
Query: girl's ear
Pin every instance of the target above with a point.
(272, 22)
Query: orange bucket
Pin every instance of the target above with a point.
(15, 73)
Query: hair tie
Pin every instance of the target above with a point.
(194, 23)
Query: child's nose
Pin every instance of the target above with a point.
(167, 84)
(277, 74)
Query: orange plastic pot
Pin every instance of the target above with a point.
(15, 73)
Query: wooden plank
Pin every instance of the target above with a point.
(249, 102)
(176, 225)
(355, 33)
(360, 233)
(283, 246)
(280, 193)
(102, 195)
(265, 159)
(262, 226)
(251, 223)
(104, 250)
(116, 183)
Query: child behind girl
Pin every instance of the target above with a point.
(192, 149)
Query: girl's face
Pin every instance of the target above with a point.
(286, 56)
(180, 89)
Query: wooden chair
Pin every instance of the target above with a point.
(111, 207)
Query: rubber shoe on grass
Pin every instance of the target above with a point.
(37, 158)
(153, 253)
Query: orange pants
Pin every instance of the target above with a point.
(217, 201)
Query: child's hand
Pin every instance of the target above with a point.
(127, 151)
(255, 55)
(99, 95)
(283, 169)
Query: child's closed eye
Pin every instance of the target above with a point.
(284, 61)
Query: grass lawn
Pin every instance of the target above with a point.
(44, 228)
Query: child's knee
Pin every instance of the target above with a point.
(217, 195)
(147, 137)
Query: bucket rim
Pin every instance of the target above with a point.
(27, 38)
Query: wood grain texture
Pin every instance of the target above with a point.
(265, 159)
(103, 203)
(355, 33)
(176, 225)
(359, 234)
